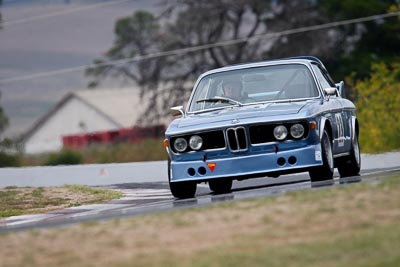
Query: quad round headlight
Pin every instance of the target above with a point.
(280, 132)
(180, 144)
(195, 142)
(297, 130)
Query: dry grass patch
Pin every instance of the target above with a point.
(357, 225)
(26, 200)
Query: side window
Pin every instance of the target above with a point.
(320, 76)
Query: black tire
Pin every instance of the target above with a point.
(181, 190)
(220, 186)
(351, 165)
(324, 172)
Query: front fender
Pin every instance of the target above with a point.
(324, 121)
(354, 127)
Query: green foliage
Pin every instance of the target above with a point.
(140, 30)
(147, 150)
(354, 8)
(362, 44)
(65, 157)
(8, 160)
(378, 107)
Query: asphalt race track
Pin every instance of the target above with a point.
(154, 196)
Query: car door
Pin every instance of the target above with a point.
(338, 117)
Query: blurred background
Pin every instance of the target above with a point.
(90, 81)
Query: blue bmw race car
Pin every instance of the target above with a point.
(262, 119)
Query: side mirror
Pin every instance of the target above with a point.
(340, 87)
(177, 111)
(330, 90)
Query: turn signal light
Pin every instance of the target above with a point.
(313, 125)
(211, 166)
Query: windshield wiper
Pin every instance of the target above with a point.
(220, 99)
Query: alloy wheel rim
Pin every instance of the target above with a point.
(357, 151)
(328, 152)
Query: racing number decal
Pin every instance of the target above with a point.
(340, 129)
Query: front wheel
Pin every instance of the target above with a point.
(181, 190)
(351, 165)
(324, 172)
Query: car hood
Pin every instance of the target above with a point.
(243, 113)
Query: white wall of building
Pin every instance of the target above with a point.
(73, 117)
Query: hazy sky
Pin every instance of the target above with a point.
(52, 43)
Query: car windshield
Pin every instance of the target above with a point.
(253, 85)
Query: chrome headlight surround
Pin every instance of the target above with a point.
(180, 144)
(280, 132)
(195, 142)
(297, 131)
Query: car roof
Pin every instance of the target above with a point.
(299, 59)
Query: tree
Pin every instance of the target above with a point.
(137, 35)
(166, 81)
(362, 44)
(297, 14)
(378, 107)
(141, 34)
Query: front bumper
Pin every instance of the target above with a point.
(239, 166)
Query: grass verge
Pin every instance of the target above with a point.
(150, 149)
(27, 200)
(355, 225)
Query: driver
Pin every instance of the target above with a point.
(233, 90)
